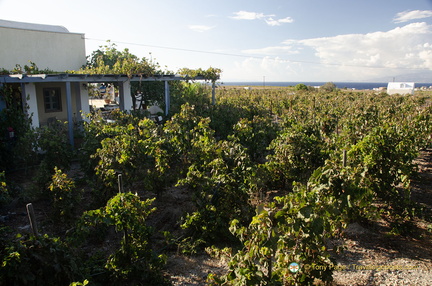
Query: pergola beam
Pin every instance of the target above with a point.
(91, 78)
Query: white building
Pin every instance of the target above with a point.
(400, 88)
(49, 47)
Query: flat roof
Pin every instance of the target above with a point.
(32, 26)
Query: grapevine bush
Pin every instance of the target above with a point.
(134, 262)
(64, 195)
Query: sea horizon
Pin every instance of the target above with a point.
(348, 85)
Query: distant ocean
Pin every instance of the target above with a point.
(349, 85)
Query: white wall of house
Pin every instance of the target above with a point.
(400, 88)
(51, 47)
(30, 93)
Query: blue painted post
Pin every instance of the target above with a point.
(78, 104)
(121, 96)
(69, 112)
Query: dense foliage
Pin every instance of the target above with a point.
(272, 174)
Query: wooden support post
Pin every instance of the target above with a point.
(344, 159)
(32, 218)
(120, 183)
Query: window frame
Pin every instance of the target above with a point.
(51, 99)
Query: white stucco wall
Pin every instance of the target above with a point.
(57, 51)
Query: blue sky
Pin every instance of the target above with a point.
(281, 40)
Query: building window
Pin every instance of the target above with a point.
(52, 99)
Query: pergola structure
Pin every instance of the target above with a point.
(76, 93)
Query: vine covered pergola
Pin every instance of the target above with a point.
(76, 94)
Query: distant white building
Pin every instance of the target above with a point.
(400, 88)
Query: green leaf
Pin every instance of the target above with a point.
(306, 212)
(279, 214)
(318, 226)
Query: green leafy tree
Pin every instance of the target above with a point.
(328, 87)
(301, 86)
(109, 60)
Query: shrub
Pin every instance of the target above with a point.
(222, 181)
(52, 142)
(255, 135)
(386, 154)
(135, 262)
(4, 192)
(297, 152)
(18, 151)
(64, 195)
(136, 151)
(38, 261)
(293, 228)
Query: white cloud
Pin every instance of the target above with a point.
(400, 47)
(348, 57)
(412, 15)
(200, 28)
(272, 22)
(269, 19)
(286, 20)
(244, 15)
(253, 69)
